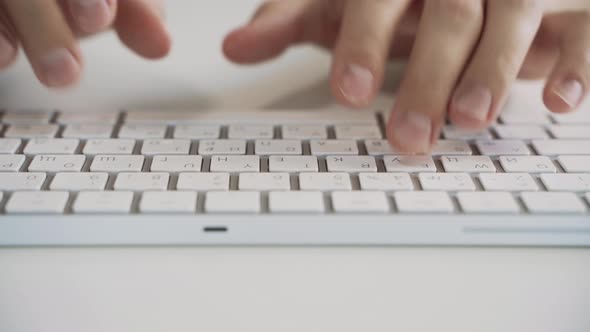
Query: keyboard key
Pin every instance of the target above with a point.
(168, 202)
(27, 117)
(31, 131)
(333, 147)
(451, 147)
(88, 118)
(235, 164)
(117, 163)
(51, 146)
(79, 181)
(296, 202)
(381, 148)
(37, 202)
(293, 164)
(502, 148)
(412, 164)
(553, 147)
(109, 146)
(203, 181)
(468, 164)
(575, 164)
(304, 132)
(446, 182)
(9, 145)
(520, 132)
(87, 131)
(570, 131)
(11, 163)
(359, 202)
(508, 182)
(357, 132)
(140, 131)
(487, 202)
(278, 147)
(385, 181)
(197, 132)
(103, 202)
(527, 164)
(57, 163)
(528, 118)
(558, 203)
(566, 182)
(175, 164)
(423, 202)
(454, 133)
(232, 202)
(264, 181)
(21, 181)
(152, 147)
(250, 132)
(222, 147)
(576, 118)
(141, 181)
(324, 181)
(351, 164)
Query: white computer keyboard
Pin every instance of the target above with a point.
(221, 167)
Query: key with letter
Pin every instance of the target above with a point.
(324, 181)
(446, 182)
(293, 164)
(175, 164)
(351, 164)
(117, 163)
(21, 181)
(235, 164)
(79, 181)
(264, 181)
(141, 181)
(203, 181)
(57, 163)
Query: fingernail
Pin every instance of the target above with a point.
(412, 131)
(91, 15)
(570, 91)
(472, 103)
(6, 50)
(356, 84)
(59, 67)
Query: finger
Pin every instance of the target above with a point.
(362, 49)
(90, 16)
(446, 37)
(569, 82)
(8, 44)
(47, 40)
(511, 26)
(140, 26)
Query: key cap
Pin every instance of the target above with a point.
(31, 131)
(553, 147)
(27, 117)
(37, 202)
(117, 163)
(152, 147)
(235, 164)
(580, 117)
(526, 118)
(575, 164)
(250, 132)
(468, 164)
(278, 147)
(502, 148)
(519, 132)
(451, 147)
(232, 202)
(412, 164)
(21, 181)
(139, 131)
(527, 164)
(57, 163)
(566, 182)
(51, 146)
(264, 181)
(333, 147)
(569, 131)
(293, 164)
(175, 164)
(197, 132)
(168, 202)
(9, 145)
(87, 131)
(304, 132)
(381, 148)
(508, 182)
(454, 133)
(359, 202)
(203, 181)
(324, 181)
(141, 181)
(423, 202)
(222, 147)
(79, 181)
(88, 118)
(103, 202)
(296, 202)
(351, 164)
(487, 202)
(109, 146)
(11, 163)
(446, 182)
(558, 203)
(357, 132)
(386, 181)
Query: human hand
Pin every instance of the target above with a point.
(48, 32)
(463, 55)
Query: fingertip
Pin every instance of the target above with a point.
(92, 16)
(59, 68)
(563, 95)
(354, 85)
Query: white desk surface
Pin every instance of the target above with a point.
(264, 289)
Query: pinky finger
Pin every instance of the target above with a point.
(569, 83)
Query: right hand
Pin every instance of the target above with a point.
(48, 32)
